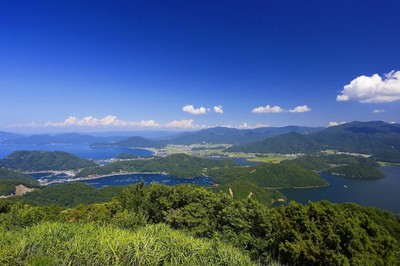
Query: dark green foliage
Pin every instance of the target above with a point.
(9, 179)
(125, 156)
(17, 215)
(270, 175)
(356, 171)
(179, 165)
(132, 142)
(286, 143)
(338, 164)
(44, 160)
(385, 219)
(314, 234)
(70, 194)
(203, 213)
(377, 138)
(330, 234)
(243, 189)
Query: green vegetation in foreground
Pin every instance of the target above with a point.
(179, 165)
(70, 194)
(44, 160)
(88, 244)
(243, 189)
(269, 176)
(9, 179)
(315, 234)
(339, 164)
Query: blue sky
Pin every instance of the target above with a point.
(107, 65)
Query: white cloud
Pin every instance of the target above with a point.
(300, 109)
(247, 126)
(376, 111)
(218, 109)
(184, 123)
(194, 111)
(111, 121)
(372, 89)
(107, 121)
(332, 124)
(268, 109)
(90, 121)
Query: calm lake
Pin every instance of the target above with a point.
(383, 193)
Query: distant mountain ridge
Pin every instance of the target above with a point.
(137, 142)
(66, 138)
(376, 138)
(225, 135)
(9, 135)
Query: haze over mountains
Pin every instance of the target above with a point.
(376, 138)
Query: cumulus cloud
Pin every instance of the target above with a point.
(194, 111)
(374, 89)
(107, 121)
(268, 109)
(218, 109)
(111, 121)
(184, 123)
(332, 124)
(377, 111)
(300, 109)
(248, 126)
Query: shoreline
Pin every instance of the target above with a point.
(45, 183)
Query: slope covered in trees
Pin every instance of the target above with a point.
(377, 138)
(315, 234)
(269, 175)
(344, 165)
(9, 179)
(44, 160)
(179, 165)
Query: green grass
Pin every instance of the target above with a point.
(87, 244)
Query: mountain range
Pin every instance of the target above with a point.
(377, 138)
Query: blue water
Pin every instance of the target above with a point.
(382, 193)
(82, 151)
(121, 180)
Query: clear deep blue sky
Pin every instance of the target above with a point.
(146, 60)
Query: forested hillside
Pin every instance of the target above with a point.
(212, 228)
(44, 160)
(380, 139)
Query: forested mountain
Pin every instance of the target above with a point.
(376, 138)
(269, 175)
(44, 160)
(8, 136)
(9, 179)
(179, 165)
(132, 142)
(219, 135)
